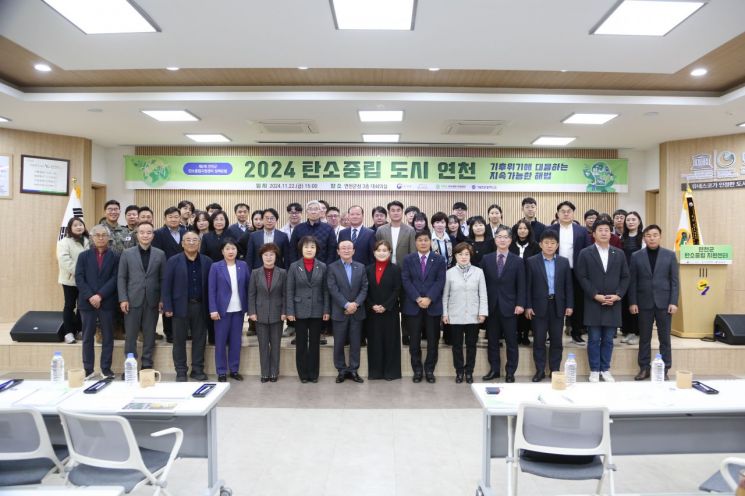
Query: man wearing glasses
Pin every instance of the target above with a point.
(117, 233)
(324, 234)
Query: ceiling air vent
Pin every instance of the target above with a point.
(474, 128)
(288, 126)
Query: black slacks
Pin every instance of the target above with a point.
(383, 345)
(471, 333)
(71, 321)
(498, 327)
(431, 325)
(349, 329)
(196, 322)
(106, 319)
(552, 326)
(307, 348)
(646, 319)
(579, 307)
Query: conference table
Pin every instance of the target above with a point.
(167, 404)
(647, 418)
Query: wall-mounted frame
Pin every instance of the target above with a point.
(6, 177)
(44, 175)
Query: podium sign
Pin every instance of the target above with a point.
(706, 254)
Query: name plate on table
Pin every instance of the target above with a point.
(706, 254)
(150, 406)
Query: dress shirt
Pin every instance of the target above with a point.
(603, 256)
(268, 275)
(395, 231)
(194, 269)
(144, 256)
(348, 270)
(464, 229)
(176, 235)
(550, 265)
(566, 243)
(235, 299)
(268, 236)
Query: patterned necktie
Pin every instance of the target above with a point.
(500, 264)
(354, 235)
(423, 261)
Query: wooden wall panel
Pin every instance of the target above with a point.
(28, 279)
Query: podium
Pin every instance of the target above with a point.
(703, 277)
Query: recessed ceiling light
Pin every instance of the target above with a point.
(381, 138)
(374, 14)
(433, 69)
(104, 16)
(4, 119)
(171, 115)
(596, 119)
(381, 115)
(172, 68)
(552, 141)
(699, 71)
(208, 138)
(564, 70)
(647, 17)
(302, 68)
(42, 67)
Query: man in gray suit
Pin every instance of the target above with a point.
(653, 295)
(399, 234)
(347, 282)
(604, 275)
(140, 275)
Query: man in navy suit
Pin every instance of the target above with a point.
(96, 278)
(362, 237)
(324, 234)
(243, 223)
(573, 238)
(505, 285)
(423, 277)
(168, 239)
(269, 234)
(550, 298)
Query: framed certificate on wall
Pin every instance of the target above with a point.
(44, 175)
(6, 177)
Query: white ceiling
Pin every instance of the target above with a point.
(462, 34)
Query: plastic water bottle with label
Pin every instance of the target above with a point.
(570, 370)
(130, 370)
(658, 369)
(57, 373)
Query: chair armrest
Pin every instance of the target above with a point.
(724, 470)
(170, 430)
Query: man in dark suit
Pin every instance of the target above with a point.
(505, 286)
(549, 299)
(347, 284)
(168, 239)
(96, 277)
(573, 238)
(269, 234)
(604, 275)
(530, 207)
(139, 280)
(243, 223)
(653, 295)
(423, 278)
(362, 237)
(185, 300)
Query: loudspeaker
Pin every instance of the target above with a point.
(38, 327)
(730, 329)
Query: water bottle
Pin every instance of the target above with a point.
(658, 369)
(570, 370)
(130, 370)
(57, 374)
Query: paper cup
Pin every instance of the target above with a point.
(75, 378)
(558, 380)
(684, 379)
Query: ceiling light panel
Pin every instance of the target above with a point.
(4, 119)
(104, 16)
(381, 138)
(208, 138)
(171, 115)
(553, 141)
(647, 17)
(591, 119)
(381, 115)
(374, 14)
(42, 67)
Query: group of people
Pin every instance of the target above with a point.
(405, 278)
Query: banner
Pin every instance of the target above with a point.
(74, 209)
(688, 229)
(373, 173)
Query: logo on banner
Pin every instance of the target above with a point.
(702, 161)
(703, 286)
(725, 159)
(600, 178)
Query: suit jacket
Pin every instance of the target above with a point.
(307, 298)
(581, 240)
(175, 290)
(256, 240)
(406, 237)
(211, 242)
(595, 281)
(91, 281)
(364, 245)
(387, 292)
(267, 304)
(537, 287)
(508, 291)
(237, 233)
(220, 290)
(431, 284)
(135, 285)
(162, 239)
(464, 297)
(341, 291)
(654, 290)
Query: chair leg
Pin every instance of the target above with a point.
(611, 487)
(514, 477)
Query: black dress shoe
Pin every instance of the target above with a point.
(264, 379)
(509, 378)
(491, 376)
(340, 378)
(303, 380)
(109, 373)
(458, 378)
(323, 341)
(417, 378)
(199, 376)
(405, 340)
(236, 376)
(356, 378)
(525, 341)
(293, 341)
(431, 378)
(314, 381)
(272, 379)
(539, 376)
(222, 378)
(643, 374)
(469, 378)
(181, 378)
(363, 342)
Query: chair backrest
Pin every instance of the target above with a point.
(105, 441)
(564, 430)
(23, 436)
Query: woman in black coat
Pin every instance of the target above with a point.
(382, 326)
(524, 246)
(212, 241)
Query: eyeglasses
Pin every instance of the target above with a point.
(502, 237)
(100, 235)
(191, 241)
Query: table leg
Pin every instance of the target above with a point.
(486, 454)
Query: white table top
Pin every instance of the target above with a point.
(621, 398)
(47, 398)
(49, 490)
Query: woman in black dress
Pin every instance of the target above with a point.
(383, 330)
(632, 242)
(524, 246)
